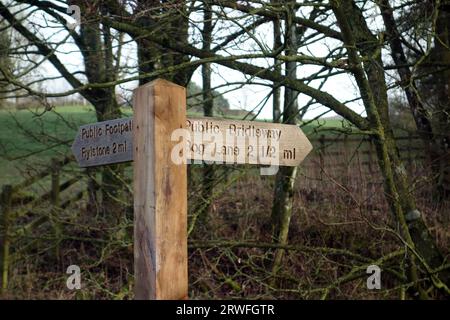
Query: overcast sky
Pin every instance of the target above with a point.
(250, 97)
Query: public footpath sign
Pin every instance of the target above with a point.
(104, 142)
(160, 141)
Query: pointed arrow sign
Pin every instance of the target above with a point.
(104, 142)
(203, 139)
(252, 142)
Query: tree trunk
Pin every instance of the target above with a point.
(5, 62)
(420, 115)
(442, 48)
(171, 22)
(372, 85)
(208, 105)
(98, 60)
(276, 105)
(284, 183)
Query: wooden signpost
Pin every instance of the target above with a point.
(245, 142)
(104, 142)
(215, 140)
(159, 139)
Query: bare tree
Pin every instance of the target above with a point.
(363, 61)
(434, 138)
(167, 46)
(95, 43)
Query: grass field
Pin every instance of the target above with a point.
(30, 138)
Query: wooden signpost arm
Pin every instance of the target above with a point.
(160, 193)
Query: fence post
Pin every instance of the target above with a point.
(92, 190)
(55, 169)
(410, 144)
(6, 203)
(321, 155)
(369, 156)
(347, 159)
(358, 158)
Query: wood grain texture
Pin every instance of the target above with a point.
(221, 141)
(104, 143)
(160, 194)
(246, 142)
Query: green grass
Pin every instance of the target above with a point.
(30, 138)
(327, 127)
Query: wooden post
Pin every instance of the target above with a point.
(410, 156)
(347, 160)
(56, 167)
(6, 203)
(160, 193)
(55, 182)
(321, 155)
(370, 157)
(92, 191)
(358, 158)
